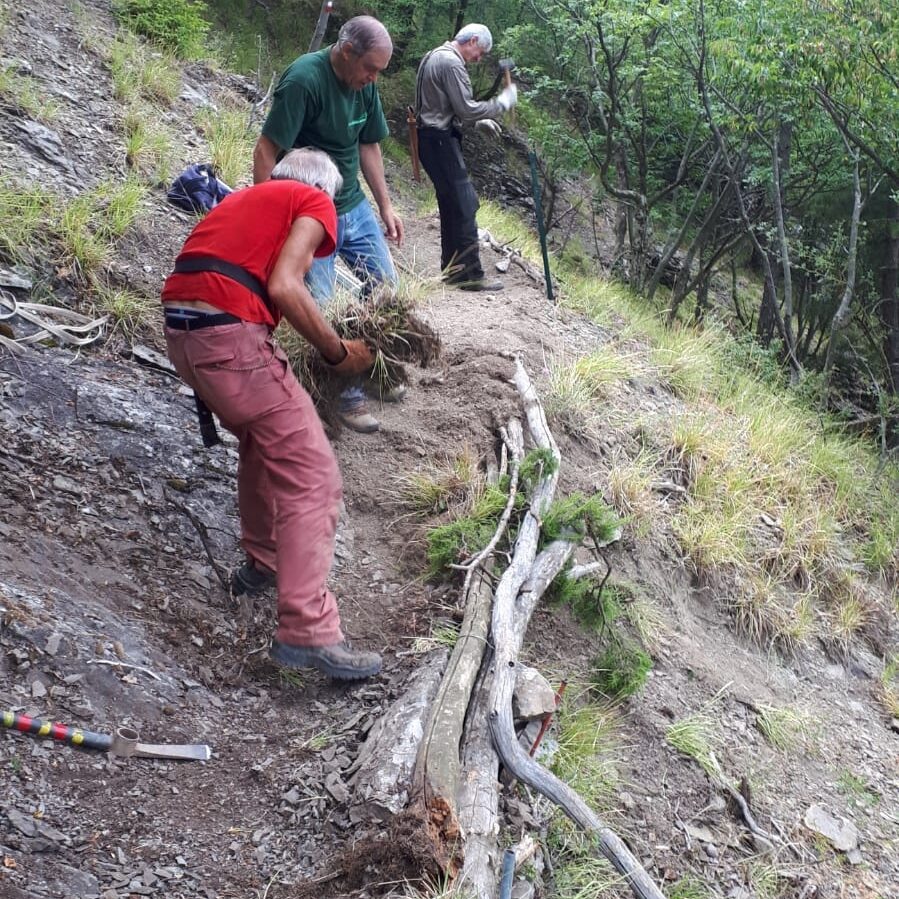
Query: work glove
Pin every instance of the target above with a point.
(359, 358)
(489, 127)
(507, 97)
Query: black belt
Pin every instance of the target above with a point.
(222, 267)
(195, 322)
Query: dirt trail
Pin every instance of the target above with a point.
(108, 496)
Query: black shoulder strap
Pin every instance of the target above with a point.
(222, 267)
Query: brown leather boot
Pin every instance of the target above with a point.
(338, 661)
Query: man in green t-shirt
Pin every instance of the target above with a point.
(329, 100)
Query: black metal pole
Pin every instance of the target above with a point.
(541, 230)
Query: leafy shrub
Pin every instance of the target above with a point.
(175, 25)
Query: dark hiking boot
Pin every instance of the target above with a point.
(338, 661)
(479, 284)
(251, 580)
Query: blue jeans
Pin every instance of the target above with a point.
(363, 247)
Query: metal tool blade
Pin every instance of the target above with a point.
(193, 752)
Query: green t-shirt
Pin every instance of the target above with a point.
(312, 108)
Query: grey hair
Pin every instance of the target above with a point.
(312, 167)
(472, 31)
(364, 33)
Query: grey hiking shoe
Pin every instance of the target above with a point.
(251, 580)
(356, 417)
(338, 661)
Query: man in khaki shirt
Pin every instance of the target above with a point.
(443, 105)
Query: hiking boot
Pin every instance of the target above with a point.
(251, 579)
(338, 661)
(356, 417)
(479, 284)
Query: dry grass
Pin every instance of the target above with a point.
(784, 728)
(451, 484)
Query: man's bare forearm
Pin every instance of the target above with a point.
(372, 164)
(265, 154)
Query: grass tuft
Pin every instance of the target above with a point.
(689, 888)
(444, 634)
(24, 211)
(139, 71)
(450, 485)
(231, 142)
(149, 149)
(587, 753)
(889, 686)
(697, 737)
(129, 312)
(784, 728)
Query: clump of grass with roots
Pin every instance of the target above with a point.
(388, 324)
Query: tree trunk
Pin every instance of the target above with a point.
(889, 311)
(841, 316)
(780, 166)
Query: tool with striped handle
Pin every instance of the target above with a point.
(123, 743)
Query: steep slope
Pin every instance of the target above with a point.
(116, 523)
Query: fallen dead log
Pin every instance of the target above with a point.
(509, 623)
(437, 777)
(382, 773)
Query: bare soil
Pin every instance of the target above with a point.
(116, 527)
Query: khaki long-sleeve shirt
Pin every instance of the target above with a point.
(443, 95)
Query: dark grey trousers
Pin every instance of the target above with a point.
(441, 155)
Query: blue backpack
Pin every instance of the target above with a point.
(197, 189)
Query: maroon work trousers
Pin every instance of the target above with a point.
(289, 485)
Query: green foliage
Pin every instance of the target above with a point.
(177, 26)
(594, 609)
(536, 464)
(459, 540)
(621, 669)
(576, 516)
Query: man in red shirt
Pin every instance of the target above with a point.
(240, 270)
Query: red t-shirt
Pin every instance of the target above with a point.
(248, 228)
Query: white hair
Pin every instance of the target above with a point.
(312, 167)
(475, 31)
